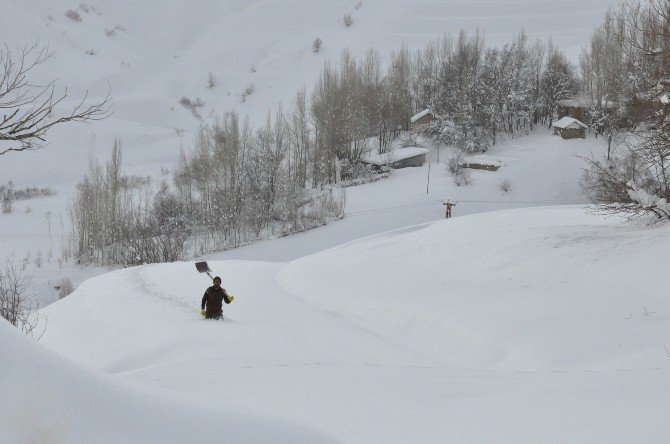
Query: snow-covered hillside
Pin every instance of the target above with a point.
(162, 51)
(522, 325)
(542, 324)
(48, 399)
(152, 54)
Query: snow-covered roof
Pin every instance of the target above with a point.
(393, 156)
(569, 122)
(581, 102)
(484, 159)
(423, 113)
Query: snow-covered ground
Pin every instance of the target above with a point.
(543, 170)
(163, 51)
(522, 325)
(538, 324)
(48, 399)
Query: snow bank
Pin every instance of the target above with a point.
(48, 399)
(549, 288)
(535, 325)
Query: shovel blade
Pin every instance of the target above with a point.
(202, 267)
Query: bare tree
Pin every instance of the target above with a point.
(28, 110)
(14, 303)
(211, 80)
(316, 44)
(635, 178)
(558, 81)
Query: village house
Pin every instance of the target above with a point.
(420, 120)
(578, 107)
(570, 128)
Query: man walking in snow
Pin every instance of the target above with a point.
(213, 300)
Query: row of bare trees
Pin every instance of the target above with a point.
(120, 219)
(236, 186)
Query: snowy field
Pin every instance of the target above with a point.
(504, 324)
(530, 325)
(162, 51)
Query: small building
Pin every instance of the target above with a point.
(400, 158)
(420, 120)
(570, 128)
(578, 107)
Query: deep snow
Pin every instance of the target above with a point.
(48, 399)
(513, 326)
(163, 51)
(518, 326)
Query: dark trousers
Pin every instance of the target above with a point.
(215, 315)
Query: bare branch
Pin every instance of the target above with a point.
(32, 110)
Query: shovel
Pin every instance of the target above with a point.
(202, 267)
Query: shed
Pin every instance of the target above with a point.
(570, 128)
(400, 158)
(420, 120)
(578, 107)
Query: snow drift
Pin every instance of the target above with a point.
(543, 324)
(549, 288)
(48, 399)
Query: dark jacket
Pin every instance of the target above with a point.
(213, 299)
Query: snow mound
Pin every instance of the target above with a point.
(48, 399)
(548, 288)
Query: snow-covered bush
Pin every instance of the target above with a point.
(73, 15)
(354, 170)
(348, 20)
(192, 105)
(462, 177)
(505, 185)
(211, 80)
(316, 44)
(455, 162)
(110, 32)
(406, 140)
(249, 90)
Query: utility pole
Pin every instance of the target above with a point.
(428, 183)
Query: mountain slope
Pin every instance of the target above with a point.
(163, 51)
